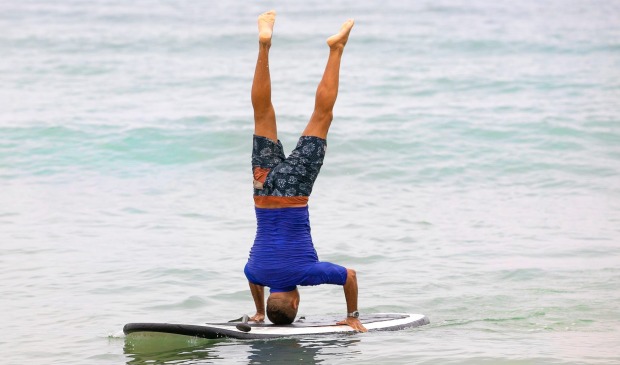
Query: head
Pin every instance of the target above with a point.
(282, 306)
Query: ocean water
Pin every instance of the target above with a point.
(472, 174)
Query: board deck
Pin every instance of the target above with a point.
(301, 327)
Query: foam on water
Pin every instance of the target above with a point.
(472, 175)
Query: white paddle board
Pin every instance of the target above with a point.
(301, 327)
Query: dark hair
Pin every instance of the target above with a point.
(280, 311)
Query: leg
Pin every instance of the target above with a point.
(264, 114)
(327, 90)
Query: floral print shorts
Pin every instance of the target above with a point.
(292, 176)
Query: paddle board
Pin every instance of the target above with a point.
(301, 327)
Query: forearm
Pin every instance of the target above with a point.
(258, 294)
(350, 291)
(350, 294)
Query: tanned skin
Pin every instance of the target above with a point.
(318, 126)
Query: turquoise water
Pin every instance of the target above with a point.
(473, 175)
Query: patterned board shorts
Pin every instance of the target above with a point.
(291, 176)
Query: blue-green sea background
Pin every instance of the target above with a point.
(473, 175)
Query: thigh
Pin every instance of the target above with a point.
(266, 153)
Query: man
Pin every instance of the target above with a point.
(283, 255)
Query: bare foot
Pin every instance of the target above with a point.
(337, 41)
(265, 26)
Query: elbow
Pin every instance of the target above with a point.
(351, 275)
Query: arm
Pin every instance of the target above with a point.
(258, 294)
(350, 295)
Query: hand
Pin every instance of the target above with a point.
(354, 323)
(258, 317)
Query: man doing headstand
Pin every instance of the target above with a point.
(283, 255)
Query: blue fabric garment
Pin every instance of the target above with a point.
(283, 255)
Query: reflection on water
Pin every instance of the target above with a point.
(173, 349)
(155, 348)
(298, 351)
